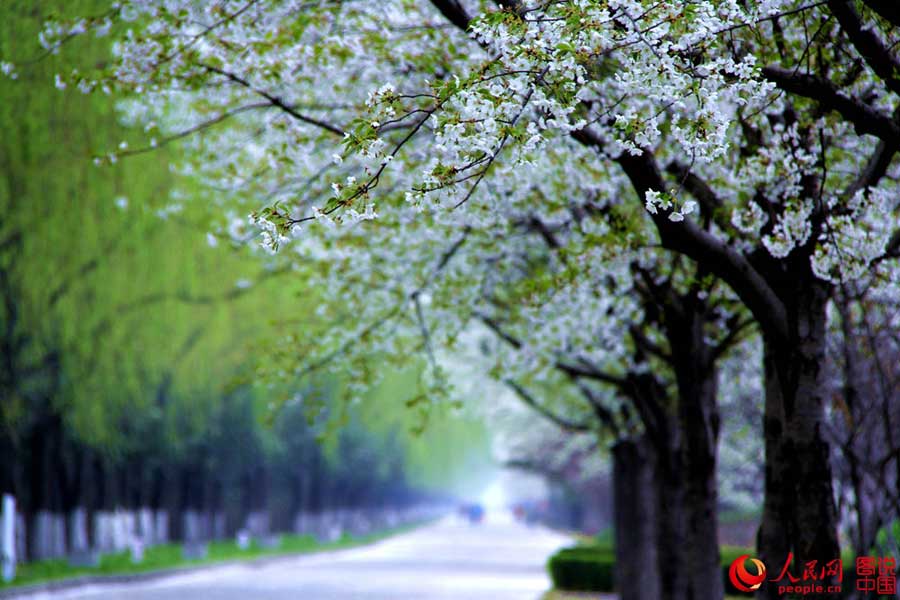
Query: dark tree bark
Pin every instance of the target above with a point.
(801, 471)
(773, 538)
(634, 514)
(7, 465)
(44, 490)
(91, 492)
(173, 485)
(671, 522)
(685, 491)
(693, 361)
(699, 419)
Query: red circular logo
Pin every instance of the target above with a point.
(743, 579)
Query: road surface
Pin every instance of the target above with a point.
(497, 560)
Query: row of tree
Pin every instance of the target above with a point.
(861, 427)
(231, 474)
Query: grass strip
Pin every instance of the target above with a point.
(166, 557)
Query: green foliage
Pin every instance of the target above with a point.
(887, 540)
(123, 291)
(583, 568)
(590, 567)
(605, 537)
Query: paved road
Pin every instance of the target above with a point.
(497, 560)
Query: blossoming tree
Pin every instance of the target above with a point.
(373, 141)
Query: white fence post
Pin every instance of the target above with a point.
(8, 538)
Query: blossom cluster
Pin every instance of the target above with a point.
(390, 155)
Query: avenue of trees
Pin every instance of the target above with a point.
(627, 198)
(129, 403)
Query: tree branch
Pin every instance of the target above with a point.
(876, 54)
(892, 249)
(687, 238)
(276, 101)
(889, 10)
(876, 167)
(603, 414)
(494, 326)
(454, 11)
(530, 466)
(864, 118)
(698, 188)
(578, 368)
(735, 331)
(647, 344)
(561, 422)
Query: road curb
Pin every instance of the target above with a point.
(68, 583)
(112, 579)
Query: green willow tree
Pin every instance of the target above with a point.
(128, 332)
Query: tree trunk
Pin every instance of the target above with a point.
(634, 510)
(8, 453)
(803, 461)
(858, 444)
(698, 425)
(173, 492)
(670, 517)
(774, 535)
(699, 420)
